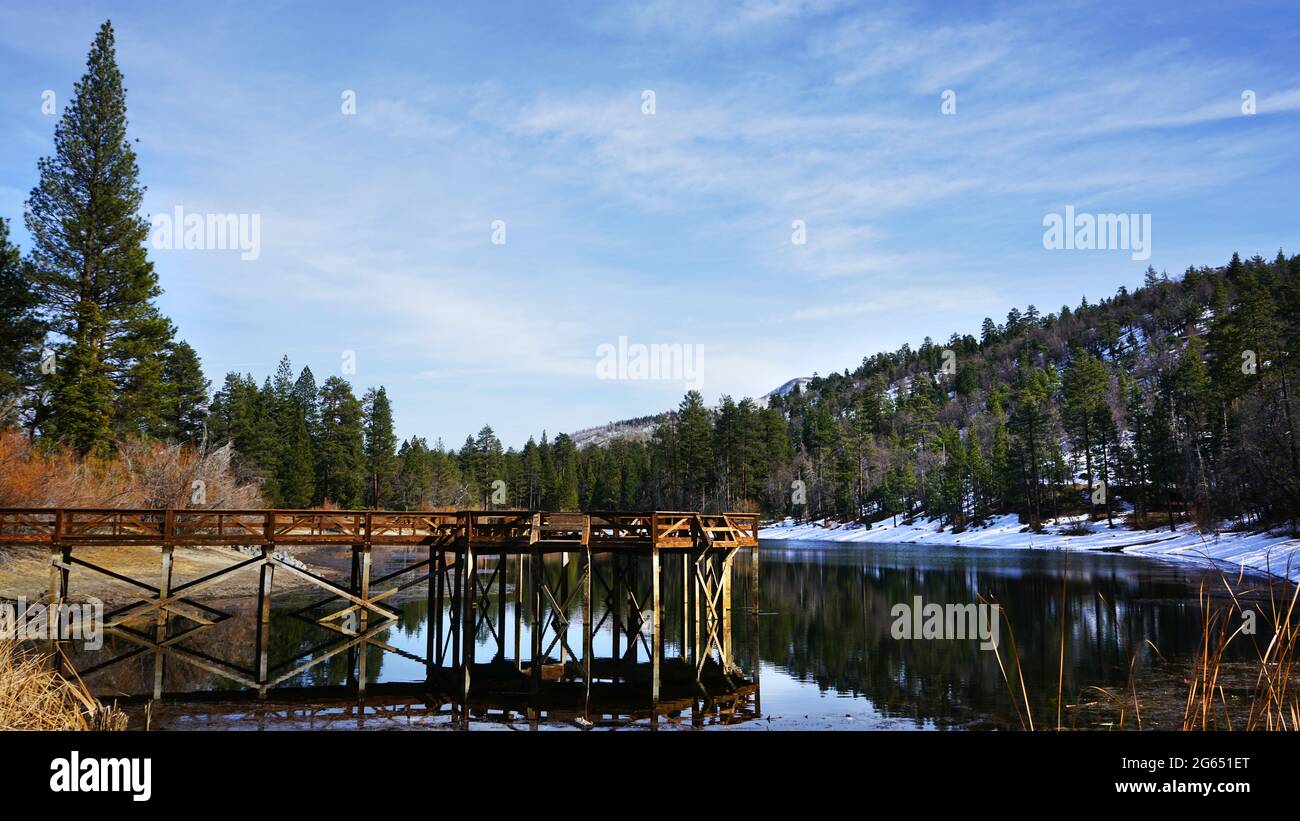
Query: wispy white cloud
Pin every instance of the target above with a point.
(674, 227)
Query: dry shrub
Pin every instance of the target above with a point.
(33, 696)
(140, 474)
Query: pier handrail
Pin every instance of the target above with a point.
(199, 527)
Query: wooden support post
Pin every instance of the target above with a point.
(629, 594)
(535, 672)
(726, 612)
(519, 610)
(431, 617)
(362, 612)
(442, 589)
(160, 623)
(469, 621)
(55, 605)
(363, 618)
(65, 552)
(354, 586)
(454, 606)
(501, 605)
(686, 605)
(58, 589)
(587, 651)
(264, 620)
(563, 598)
(657, 638)
(616, 602)
(264, 590)
(700, 596)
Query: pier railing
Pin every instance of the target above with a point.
(510, 530)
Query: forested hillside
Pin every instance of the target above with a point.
(1175, 399)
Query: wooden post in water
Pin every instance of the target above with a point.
(454, 609)
(502, 565)
(363, 647)
(354, 586)
(160, 624)
(267, 577)
(657, 638)
(469, 604)
(701, 597)
(535, 671)
(431, 615)
(519, 610)
(587, 572)
(686, 606)
(437, 613)
(564, 598)
(727, 657)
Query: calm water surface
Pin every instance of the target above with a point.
(821, 647)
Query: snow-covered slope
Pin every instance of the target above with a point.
(640, 430)
(1255, 552)
(637, 430)
(800, 382)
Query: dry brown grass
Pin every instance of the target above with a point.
(1274, 702)
(33, 696)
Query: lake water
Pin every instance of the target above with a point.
(821, 647)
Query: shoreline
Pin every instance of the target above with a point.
(1261, 553)
(25, 573)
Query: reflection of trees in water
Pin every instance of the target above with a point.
(831, 625)
(826, 619)
(235, 640)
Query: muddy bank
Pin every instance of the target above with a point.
(25, 573)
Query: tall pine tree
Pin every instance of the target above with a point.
(95, 282)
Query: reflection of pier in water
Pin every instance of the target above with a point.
(614, 569)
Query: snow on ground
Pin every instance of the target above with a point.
(1259, 552)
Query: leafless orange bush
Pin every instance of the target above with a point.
(140, 474)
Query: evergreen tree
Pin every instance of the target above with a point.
(22, 331)
(695, 449)
(1083, 386)
(95, 283)
(185, 419)
(341, 468)
(380, 446)
(295, 475)
(488, 464)
(566, 473)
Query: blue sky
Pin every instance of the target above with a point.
(666, 228)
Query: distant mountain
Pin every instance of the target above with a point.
(800, 382)
(637, 430)
(642, 428)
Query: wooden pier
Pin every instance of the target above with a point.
(617, 563)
